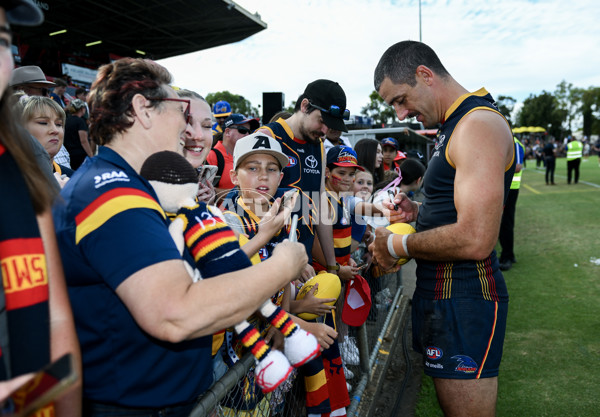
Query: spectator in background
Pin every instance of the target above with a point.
(221, 111)
(596, 148)
(44, 119)
(59, 92)
(198, 141)
(370, 156)
(236, 126)
(152, 348)
(77, 139)
(507, 225)
(549, 152)
(36, 315)
(333, 138)
(320, 107)
(574, 153)
(31, 80)
(391, 154)
(81, 94)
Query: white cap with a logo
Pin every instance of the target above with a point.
(258, 142)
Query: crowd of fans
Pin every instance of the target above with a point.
(122, 261)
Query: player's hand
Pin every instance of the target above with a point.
(401, 210)
(379, 248)
(293, 256)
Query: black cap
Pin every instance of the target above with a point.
(324, 94)
(22, 12)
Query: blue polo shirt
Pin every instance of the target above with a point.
(109, 226)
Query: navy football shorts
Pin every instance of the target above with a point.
(459, 338)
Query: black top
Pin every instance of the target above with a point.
(72, 142)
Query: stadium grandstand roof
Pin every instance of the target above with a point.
(153, 29)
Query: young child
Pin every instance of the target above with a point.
(391, 154)
(255, 213)
(340, 174)
(363, 189)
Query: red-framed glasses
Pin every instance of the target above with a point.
(186, 112)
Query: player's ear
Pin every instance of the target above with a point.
(280, 178)
(327, 172)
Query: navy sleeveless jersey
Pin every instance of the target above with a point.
(441, 280)
(304, 172)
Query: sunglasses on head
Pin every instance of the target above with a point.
(335, 111)
(243, 130)
(186, 112)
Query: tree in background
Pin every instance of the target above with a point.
(506, 105)
(569, 100)
(590, 111)
(378, 110)
(543, 110)
(238, 103)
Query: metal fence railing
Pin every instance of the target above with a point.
(236, 395)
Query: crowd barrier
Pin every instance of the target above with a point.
(235, 390)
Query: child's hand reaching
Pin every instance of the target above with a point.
(312, 304)
(347, 272)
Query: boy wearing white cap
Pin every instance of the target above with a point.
(255, 212)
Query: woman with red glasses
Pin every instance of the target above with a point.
(144, 326)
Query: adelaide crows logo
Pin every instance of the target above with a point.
(465, 364)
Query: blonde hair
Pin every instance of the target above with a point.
(33, 106)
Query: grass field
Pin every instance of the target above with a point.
(551, 362)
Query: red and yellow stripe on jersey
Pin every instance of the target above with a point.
(110, 204)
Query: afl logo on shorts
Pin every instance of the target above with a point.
(433, 353)
(293, 161)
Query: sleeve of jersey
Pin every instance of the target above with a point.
(123, 231)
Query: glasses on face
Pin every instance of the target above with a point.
(335, 111)
(186, 112)
(243, 130)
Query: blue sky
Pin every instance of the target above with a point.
(511, 47)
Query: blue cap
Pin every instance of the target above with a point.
(239, 119)
(343, 156)
(221, 109)
(390, 142)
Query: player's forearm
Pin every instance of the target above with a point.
(447, 243)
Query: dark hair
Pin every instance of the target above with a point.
(115, 86)
(298, 105)
(411, 169)
(60, 82)
(366, 152)
(80, 91)
(12, 137)
(399, 63)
